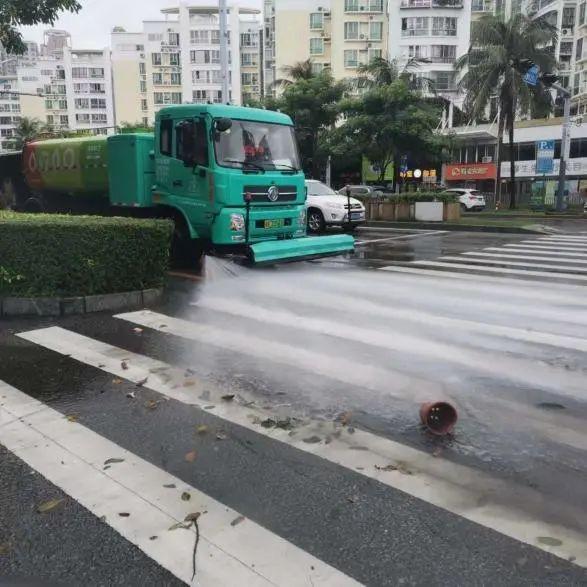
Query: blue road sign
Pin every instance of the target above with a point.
(531, 77)
(544, 157)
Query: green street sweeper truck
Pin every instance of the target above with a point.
(230, 178)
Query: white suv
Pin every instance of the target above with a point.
(471, 200)
(327, 208)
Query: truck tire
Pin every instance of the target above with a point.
(316, 223)
(186, 253)
(34, 205)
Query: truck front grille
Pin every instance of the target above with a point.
(260, 193)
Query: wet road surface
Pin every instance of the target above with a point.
(268, 421)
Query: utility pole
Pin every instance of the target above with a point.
(224, 71)
(565, 147)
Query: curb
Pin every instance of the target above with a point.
(451, 227)
(69, 306)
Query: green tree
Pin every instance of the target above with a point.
(494, 67)
(302, 70)
(28, 129)
(385, 123)
(313, 104)
(14, 13)
(382, 72)
(131, 127)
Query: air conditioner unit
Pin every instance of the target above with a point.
(362, 36)
(142, 56)
(487, 159)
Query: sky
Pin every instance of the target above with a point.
(90, 28)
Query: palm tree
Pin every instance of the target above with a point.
(302, 70)
(494, 67)
(382, 72)
(27, 130)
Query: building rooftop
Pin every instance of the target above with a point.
(210, 10)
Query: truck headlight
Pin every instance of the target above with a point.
(237, 222)
(302, 218)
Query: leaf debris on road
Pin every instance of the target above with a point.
(170, 486)
(191, 456)
(113, 461)
(185, 496)
(72, 418)
(124, 514)
(228, 397)
(124, 365)
(202, 429)
(142, 382)
(48, 506)
(237, 521)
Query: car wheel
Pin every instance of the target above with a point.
(316, 222)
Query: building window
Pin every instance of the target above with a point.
(97, 72)
(142, 86)
(317, 68)
(155, 37)
(417, 52)
(215, 38)
(249, 40)
(317, 20)
(579, 50)
(174, 39)
(203, 57)
(568, 17)
(176, 79)
(250, 79)
(200, 37)
(142, 68)
(145, 121)
(144, 105)
(156, 58)
(98, 104)
(174, 59)
(249, 59)
(351, 58)
(200, 96)
(375, 31)
(351, 5)
(82, 118)
(351, 31)
(582, 14)
(64, 120)
(375, 54)
(82, 103)
(443, 80)
(444, 26)
(415, 26)
(79, 72)
(316, 46)
(566, 47)
(157, 79)
(97, 89)
(443, 53)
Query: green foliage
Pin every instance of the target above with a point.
(494, 66)
(54, 255)
(27, 129)
(132, 127)
(413, 197)
(14, 13)
(384, 123)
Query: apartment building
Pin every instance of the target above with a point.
(269, 72)
(435, 31)
(176, 60)
(337, 34)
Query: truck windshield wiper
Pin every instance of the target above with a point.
(246, 164)
(289, 167)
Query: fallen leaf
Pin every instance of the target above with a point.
(101, 366)
(202, 429)
(190, 457)
(350, 430)
(124, 365)
(345, 418)
(437, 452)
(209, 407)
(268, 423)
(189, 383)
(113, 461)
(386, 468)
(189, 372)
(312, 440)
(137, 330)
(549, 541)
(352, 499)
(237, 521)
(117, 381)
(358, 448)
(221, 436)
(163, 326)
(47, 506)
(72, 417)
(192, 517)
(142, 382)
(151, 404)
(131, 395)
(185, 496)
(170, 486)
(228, 397)
(180, 526)
(4, 549)
(153, 537)
(124, 514)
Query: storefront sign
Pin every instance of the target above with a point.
(544, 157)
(420, 174)
(470, 171)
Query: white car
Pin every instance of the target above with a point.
(471, 200)
(327, 208)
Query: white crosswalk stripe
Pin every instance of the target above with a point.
(570, 270)
(568, 246)
(73, 457)
(514, 255)
(520, 249)
(513, 510)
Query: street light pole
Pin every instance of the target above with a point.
(565, 147)
(224, 74)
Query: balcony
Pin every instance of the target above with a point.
(363, 6)
(431, 4)
(482, 6)
(441, 59)
(415, 32)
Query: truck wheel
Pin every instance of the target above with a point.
(316, 222)
(33, 205)
(186, 253)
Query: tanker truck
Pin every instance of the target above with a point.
(229, 177)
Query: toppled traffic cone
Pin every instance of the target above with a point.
(439, 417)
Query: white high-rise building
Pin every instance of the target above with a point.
(435, 31)
(269, 48)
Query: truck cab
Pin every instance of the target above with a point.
(233, 172)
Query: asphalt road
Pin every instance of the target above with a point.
(266, 422)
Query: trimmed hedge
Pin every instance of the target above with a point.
(54, 255)
(413, 197)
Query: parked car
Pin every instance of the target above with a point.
(364, 191)
(327, 208)
(470, 200)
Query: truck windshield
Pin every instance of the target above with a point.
(258, 144)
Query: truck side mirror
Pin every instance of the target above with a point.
(223, 124)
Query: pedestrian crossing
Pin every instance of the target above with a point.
(553, 258)
(331, 344)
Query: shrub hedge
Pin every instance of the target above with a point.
(55, 255)
(411, 197)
